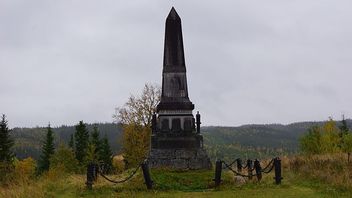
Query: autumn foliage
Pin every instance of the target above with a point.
(136, 141)
(135, 117)
(326, 139)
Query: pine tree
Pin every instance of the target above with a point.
(6, 142)
(343, 131)
(347, 145)
(71, 143)
(106, 154)
(81, 142)
(95, 140)
(64, 159)
(48, 150)
(344, 128)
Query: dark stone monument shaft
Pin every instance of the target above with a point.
(175, 141)
(174, 85)
(173, 45)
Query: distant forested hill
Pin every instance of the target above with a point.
(28, 140)
(254, 141)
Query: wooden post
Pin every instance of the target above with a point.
(249, 168)
(146, 174)
(90, 176)
(258, 169)
(96, 171)
(277, 165)
(218, 169)
(239, 165)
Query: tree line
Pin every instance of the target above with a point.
(26, 139)
(328, 138)
(83, 147)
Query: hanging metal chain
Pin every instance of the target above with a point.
(271, 168)
(233, 162)
(267, 166)
(244, 166)
(235, 172)
(120, 181)
(228, 166)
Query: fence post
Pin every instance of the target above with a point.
(250, 168)
(146, 174)
(96, 171)
(277, 165)
(218, 169)
(239, 165)
(90, 175)
(258, 169)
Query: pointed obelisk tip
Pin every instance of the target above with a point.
(173, 46)
(173, 14)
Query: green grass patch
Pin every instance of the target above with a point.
(183, 180)
(169, 183)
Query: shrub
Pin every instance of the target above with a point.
(347, 145)
(6, 172)
(311, 142)
(330, 139)
(135, 144)
(24, 170)
(64, 159)
(319, 140)
(118, 163)
(328, 168)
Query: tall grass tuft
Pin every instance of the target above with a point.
(332, 169)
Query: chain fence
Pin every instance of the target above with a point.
(123, 180)
(93, 169)
(274, 164)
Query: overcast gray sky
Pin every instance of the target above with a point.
(273, 61)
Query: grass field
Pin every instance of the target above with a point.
(173, 184)
(304, 176)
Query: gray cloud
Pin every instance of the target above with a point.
(247, 61)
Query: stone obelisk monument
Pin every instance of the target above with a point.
(176, 141)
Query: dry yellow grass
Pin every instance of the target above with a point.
(332, 169)
(304, 176)
(118, 163)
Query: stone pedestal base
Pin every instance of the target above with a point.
(180, 159)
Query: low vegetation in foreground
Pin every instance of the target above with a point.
(313, 176)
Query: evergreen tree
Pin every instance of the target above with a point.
(310, 143)
(81, 142)
(6, 142)
(106, 154)
(71, 143)
(48, 150)
(343, 131)
(344, 128)
(95, 140)
(64, 159)
(347, 145)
